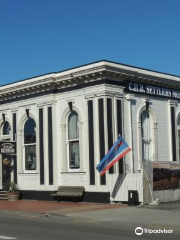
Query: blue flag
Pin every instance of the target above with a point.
(118, 150)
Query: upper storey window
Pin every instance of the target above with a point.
(6, 128)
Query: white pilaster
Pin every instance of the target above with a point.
(96, 140)
(129, 137)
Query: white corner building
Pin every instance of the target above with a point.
(63, 123)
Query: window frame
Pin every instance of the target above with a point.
(154, 134)
(4, 136)
(29, 144)
(149, 145)
(75, 169)
(177, 136)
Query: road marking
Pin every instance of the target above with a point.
(168, 227)
(32, 216)
(85, 221)
(29, 216)
(5, 237)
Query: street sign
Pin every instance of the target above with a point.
(7, 147)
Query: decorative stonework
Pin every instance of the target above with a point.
(51, 83)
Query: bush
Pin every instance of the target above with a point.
(12, 187)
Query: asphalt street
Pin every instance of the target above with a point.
(29, 226)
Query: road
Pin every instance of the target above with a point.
(29, 226)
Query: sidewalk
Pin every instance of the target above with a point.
(58, 208)
(164, 215)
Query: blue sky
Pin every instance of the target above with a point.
(42, 36)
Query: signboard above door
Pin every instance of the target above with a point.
(7, 147)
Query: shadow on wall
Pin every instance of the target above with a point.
(118, 184)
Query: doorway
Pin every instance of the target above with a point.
(6, 171)
(5, 168)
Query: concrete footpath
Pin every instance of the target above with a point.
(163, 215)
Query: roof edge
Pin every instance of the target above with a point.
(88, 64)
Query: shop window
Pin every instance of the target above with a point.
(30, 144)
(73, 141)
(147, 135)
(6, 129)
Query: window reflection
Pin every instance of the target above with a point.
(29, 131)
(6, 128)
(73, 140)
(30, 144)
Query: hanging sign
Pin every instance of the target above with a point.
(7, 147)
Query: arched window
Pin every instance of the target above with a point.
(73, 140)
(147, 135)
(178, 130)
(6, 129)
(30, 144)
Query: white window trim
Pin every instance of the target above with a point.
(154, 128)
(30, 144)
(24, 165)
(67, 145)
(150, 140)
(64, 142)
(177, 137)
(7, 137)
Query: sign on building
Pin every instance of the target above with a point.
(7, 147)
(142, 88)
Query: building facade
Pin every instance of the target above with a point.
(64, 123)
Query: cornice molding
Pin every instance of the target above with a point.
(82, 75)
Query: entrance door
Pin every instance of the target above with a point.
(5, 135)
(6, 172)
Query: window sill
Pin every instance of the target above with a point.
(75, 172)
(28, 173)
